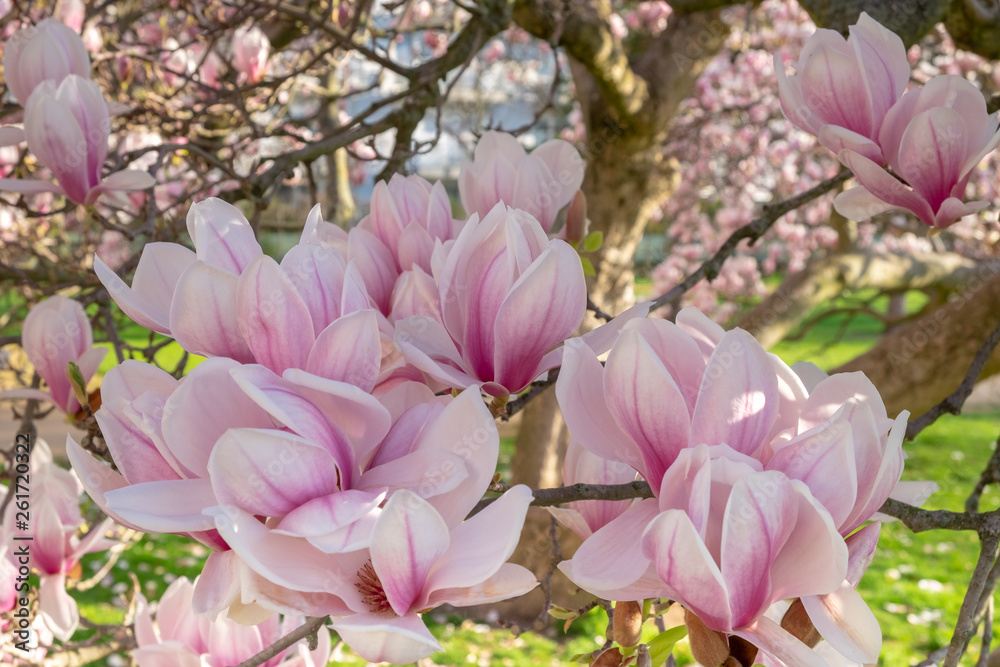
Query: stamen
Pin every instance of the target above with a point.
(372, 593)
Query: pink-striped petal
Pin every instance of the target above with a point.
(273, 318)
(349, 350)
(398, 640)
(203, 313)
(270, 473)
(170, 506)
(845, 621)
(408, 538)
(222, 236)
(148, 301)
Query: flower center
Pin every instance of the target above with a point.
(372, 593)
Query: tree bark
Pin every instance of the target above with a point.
(918, 365)
(826, 278)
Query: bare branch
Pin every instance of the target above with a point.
(310, 627)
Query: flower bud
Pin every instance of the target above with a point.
(628, 623)
(796, 622)
(708, 647)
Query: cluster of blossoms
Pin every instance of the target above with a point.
(913, 150)
(66, 118)
(761, 477)
(312, 450)
(56, 546)
(332, 445)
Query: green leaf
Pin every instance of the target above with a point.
(593, 242)
(588, 267)
(662, 645)
(563, 613)
(76, 381)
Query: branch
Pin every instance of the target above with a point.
(519, 403)
(310, 627)
(752, 231)
(584, 31)
(954, 402)
(967, 621)
(567, 494)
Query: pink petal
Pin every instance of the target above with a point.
(610, 559)
(845, 621)
(427, 346)
(481, 545)
(543, 308)
(97, 478)
(204, 406)
(268, 472)
(376, 265)
(287, 561)
(28, 186)
(147, 302)
(823, 458)
(349, 350)
(203, 314)
(330, 513)
(952, 210)
(777, 641)
(128, 180)
(684, 564)
(398, 640)
(222, 236)
(465, 429)
(317, 272)
(738, 401)
(57, 607)
(580, 390)
(646, 403)
(885, 187)
(932, 152)
(219, 584)
(509, 581)
(273, 318)
(883, 58)
(705, 332)
(408, 538)
(861, 550)
(170, 506)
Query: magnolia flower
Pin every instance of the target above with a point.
(57, 332)
(408, 215)
(55, 547)
(49, 51)
(932, 139)
(67, 127)
(179, 637)
(508, 295)
(250, 50)
(844, 88)
(541, 183)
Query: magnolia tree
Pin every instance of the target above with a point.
(335, 451)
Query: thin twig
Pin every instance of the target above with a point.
(984, 651)
(965, 627)
(566, 494)
(310, 627)
(519, 403)
(990, 475)
(954, 402)
(752, 231)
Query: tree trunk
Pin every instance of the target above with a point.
(627, 177)
(920, 364)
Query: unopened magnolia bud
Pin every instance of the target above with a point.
(628, 623)
(742, 651)
(576, 219)
(708, 647)
(612, 657)
(796, 622)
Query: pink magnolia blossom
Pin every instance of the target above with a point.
(55, 546)
(508, 295)
(668, 387)
(408, 215)
(67, 127)
(844, 88)
(179, 637)
(55, 333)
(932, 139)
(250, 50)
(72, 13)
(49, 51)
(541, 183)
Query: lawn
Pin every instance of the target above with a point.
(914, 585)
